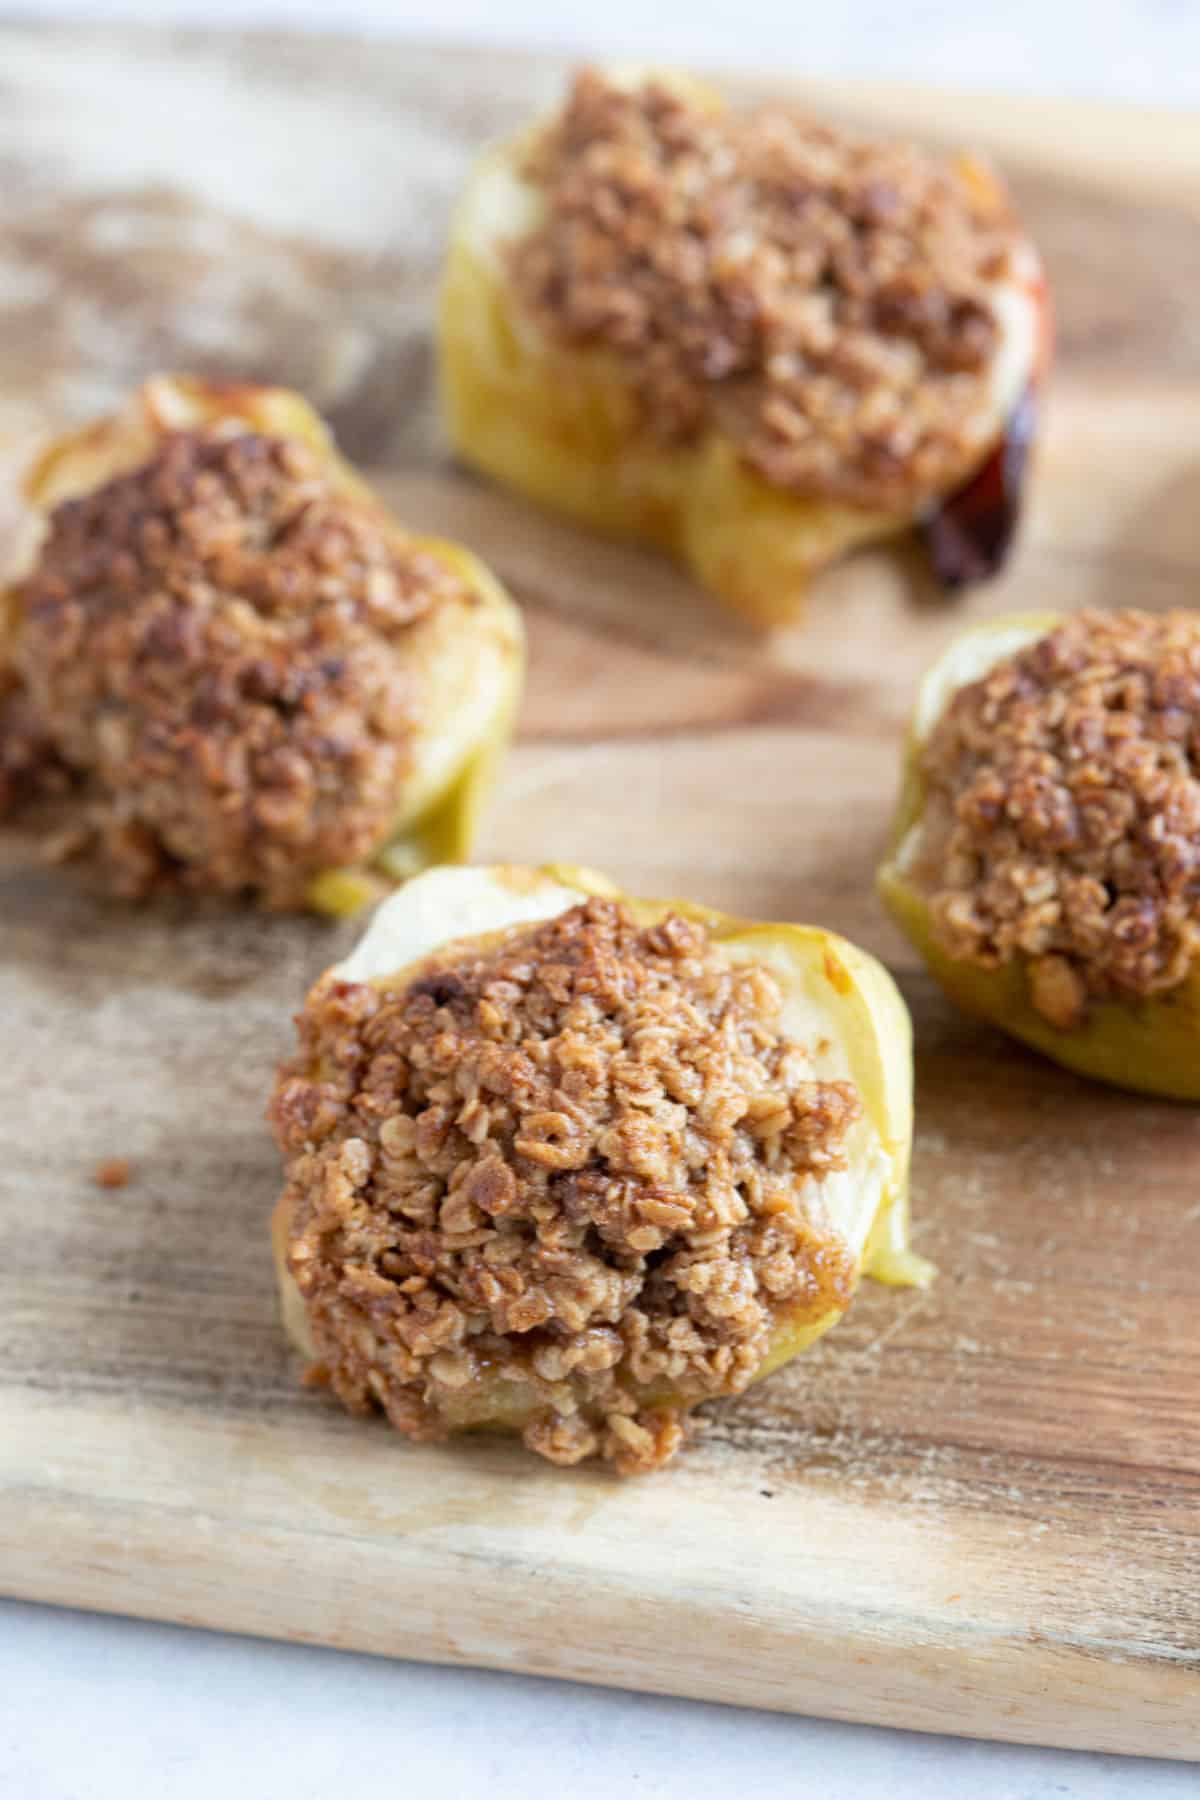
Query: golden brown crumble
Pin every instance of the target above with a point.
(819, 298)
(577, 1156)
(214, 646)
(1063, 813)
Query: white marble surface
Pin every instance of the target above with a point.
(104, 1709)
(96, 1709)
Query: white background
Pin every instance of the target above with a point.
(95, 1709)
(1147, 50)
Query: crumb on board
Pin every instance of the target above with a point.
(113, 1172)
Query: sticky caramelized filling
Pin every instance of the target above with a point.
(969, 534)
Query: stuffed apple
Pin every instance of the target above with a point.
(751, 340)
(246, 677)
(1046, 857)
(565, 1164)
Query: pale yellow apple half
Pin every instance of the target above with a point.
(837, 999)
(1151, 1045)
(468, 654)
(563, 426)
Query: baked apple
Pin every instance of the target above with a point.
(565, 1163)
(753, 341)
(1046, 856)
(244, 674)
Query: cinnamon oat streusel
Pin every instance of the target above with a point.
(576, 1155)
(213, 645)
(821, 299)
(1062, 821)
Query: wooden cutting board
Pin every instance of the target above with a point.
(970, 1510)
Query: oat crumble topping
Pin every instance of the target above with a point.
(1063, 814)
(820, 298)
(214, 646)
(576, 1155)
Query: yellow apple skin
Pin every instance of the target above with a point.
(440, 812)
(828, 978)
(1151, 1045)
(443, 829)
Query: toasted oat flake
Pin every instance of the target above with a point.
(579, 1158)
(822, 299)
(1062, 822)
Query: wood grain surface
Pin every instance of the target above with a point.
(975, 1509)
